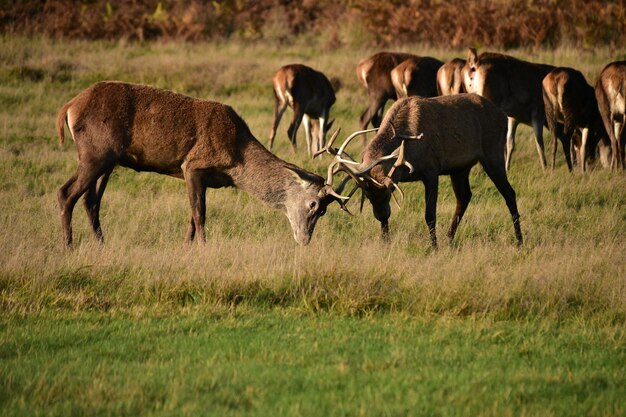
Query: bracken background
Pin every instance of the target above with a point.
(337, 23)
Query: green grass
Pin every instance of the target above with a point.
(252, 324)
(281, 363)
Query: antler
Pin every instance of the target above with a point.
(341, 151)
(344, 164)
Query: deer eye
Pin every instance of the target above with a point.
(312, 204)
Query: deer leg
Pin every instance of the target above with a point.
(197, 199)
(85, 177)
(320, 133)
(431, 187)
(191, 231)
(497, 174)
(373, 113)
(573, 152)
(92, 200)
(604, 150)
(565, 135)
(463, 193)
(618, 148)
(298, 114)
(537, 123)
(583, 148)
(510, 141)
(306, 122)
(378, 116)
(279, 109)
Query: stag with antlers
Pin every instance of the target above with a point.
(421, 139)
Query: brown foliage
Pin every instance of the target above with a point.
(493, 23)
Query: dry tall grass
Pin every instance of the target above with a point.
(572, 262)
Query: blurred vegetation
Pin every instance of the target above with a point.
(455, 23)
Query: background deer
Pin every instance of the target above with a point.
(513, 85)
(450, 77)
(611, 96)
(416, 76)
(205, 143)
(311, 96)
(570, 104)
(421, 139)
(375, 74)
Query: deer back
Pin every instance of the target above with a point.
(150, 129)
(512, 84)
(612, 85)
(450, 77)
(458, 131)
(374, 72)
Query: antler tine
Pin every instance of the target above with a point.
(410, 137)
(352, 136)
(340, 197)
(393, 194)
(328, 148)
(376, 162)
(400, 161)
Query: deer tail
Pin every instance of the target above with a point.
(61, 118)
(60, 124)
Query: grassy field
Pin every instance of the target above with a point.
(252, 324)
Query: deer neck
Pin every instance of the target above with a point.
(265, 176)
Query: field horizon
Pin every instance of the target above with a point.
(148, 325)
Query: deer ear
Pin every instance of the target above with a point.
(305, 179)
(329, 125)
(472, 57)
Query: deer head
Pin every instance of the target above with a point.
(379, 192)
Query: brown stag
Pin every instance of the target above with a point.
(202, 142)
(421, 139)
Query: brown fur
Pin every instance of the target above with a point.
(375, 74)
(458, 131)
(513, 85)
(309, 93)
(450, 77)
(205, 143)
(611, 95)
(571, 105)
(416, 76)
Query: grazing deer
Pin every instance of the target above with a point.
(416, 76)
(570, 104)
(205, 143)
(513, 85)
(311, 96)
(450, 77)
(375, 74)
(421, 139)
(611, 96)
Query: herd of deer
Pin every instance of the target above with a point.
(432, 129)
